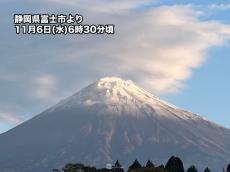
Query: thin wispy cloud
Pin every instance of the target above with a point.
(220, 6)
(104, 5)
(159, 48)
(10, 119)
(44, 87)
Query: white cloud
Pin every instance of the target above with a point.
(44, 87)
(7, 118)
(161, 47)
(158, 47)
(219, 6)
(104, 5)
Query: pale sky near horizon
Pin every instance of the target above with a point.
(178, 51)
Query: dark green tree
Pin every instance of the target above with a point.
(89, 169)
(228, 168)
(118, 167)
(149, 164)
(192, 169)
(207, 170)
(175, 164)
(161, 166)
(117, 164)
(135, 165)
(72, 167)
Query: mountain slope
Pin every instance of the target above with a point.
(108, 120)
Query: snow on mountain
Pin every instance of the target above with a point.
(108, 120)
(120, 95)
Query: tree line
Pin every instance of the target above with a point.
(174, 164)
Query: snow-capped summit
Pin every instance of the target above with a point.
(114, 94)
(108, 120)
(110, 90)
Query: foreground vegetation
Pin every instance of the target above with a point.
(174, 164)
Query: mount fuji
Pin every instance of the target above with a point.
(108, 120)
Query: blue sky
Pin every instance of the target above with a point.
(207, 92)
(178, 50)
